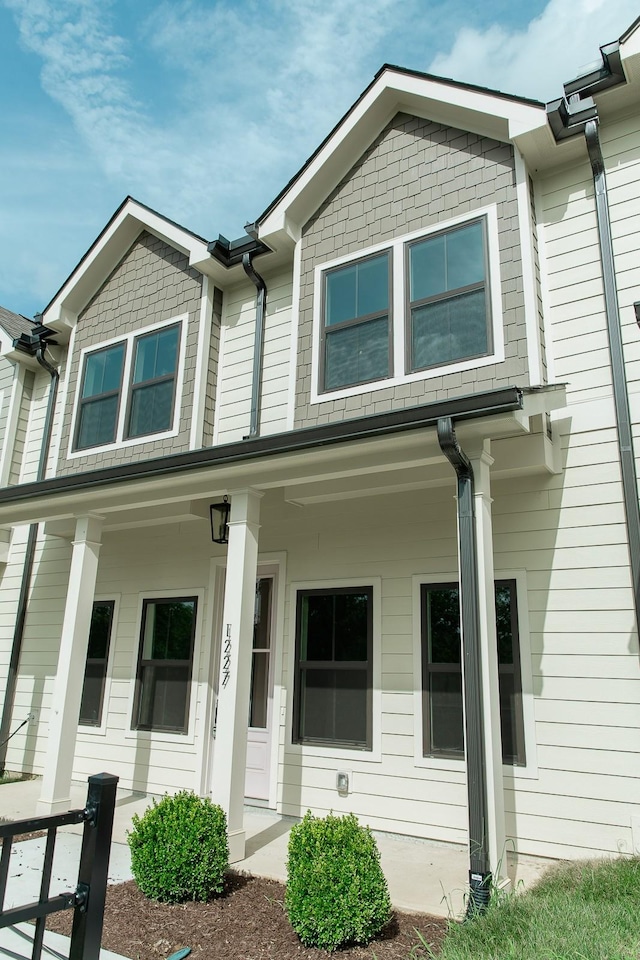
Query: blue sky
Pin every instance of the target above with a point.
(204, 109)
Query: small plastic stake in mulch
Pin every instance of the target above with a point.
(180, 954)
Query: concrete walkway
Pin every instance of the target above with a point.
(423, 876)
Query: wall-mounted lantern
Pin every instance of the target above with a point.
(220, 521)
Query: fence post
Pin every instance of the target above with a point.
(88, 916)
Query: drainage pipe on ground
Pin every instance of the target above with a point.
(38, 349)
(479, 869)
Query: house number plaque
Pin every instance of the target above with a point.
(226, 658)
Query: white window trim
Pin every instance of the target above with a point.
(350, 756)
(397, 247)
(167, 736)
(510, 772)
(87, 728)
(129, 339)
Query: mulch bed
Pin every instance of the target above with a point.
(247, 923)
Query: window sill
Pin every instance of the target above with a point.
(305, 750)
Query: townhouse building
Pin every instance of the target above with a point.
(343, 515)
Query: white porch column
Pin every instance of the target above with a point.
(481, 462)
(230, 753)
(67, 690)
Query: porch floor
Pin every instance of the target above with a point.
(423, 875)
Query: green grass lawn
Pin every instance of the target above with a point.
(580, 911)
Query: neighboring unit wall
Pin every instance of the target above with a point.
(236, 364)
(584, 637)
(153, 283)
(415, 175)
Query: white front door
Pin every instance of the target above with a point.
(257, 780)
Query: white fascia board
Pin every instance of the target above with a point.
(475, 111)
(107, 252)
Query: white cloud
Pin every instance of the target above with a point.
(537, 61)
(233, 97)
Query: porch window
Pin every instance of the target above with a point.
(442, 714)
(95, 673)
(333, 681)
(165, 664)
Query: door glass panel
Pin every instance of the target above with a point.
(261, 655)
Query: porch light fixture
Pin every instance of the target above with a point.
(220, 521)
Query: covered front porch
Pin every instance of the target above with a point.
(141, 531)
(423, 876)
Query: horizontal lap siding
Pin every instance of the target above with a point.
(43, 626)
(132, 566)
(584, 646)
(236, 366)
(343, 541)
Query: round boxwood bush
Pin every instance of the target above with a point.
(179, 849)
(336, 892)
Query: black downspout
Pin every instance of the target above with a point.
(258, 350)
(479, 868)
(27, 570)
(618, 377)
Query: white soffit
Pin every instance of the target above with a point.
(473, 110)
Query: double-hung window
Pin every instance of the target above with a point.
(153, 383)
(422, 305)
(357, 332)
(448, 308)
(129, 388)
(165, 664)
(334, 667)
(100, 397)
(442, 713)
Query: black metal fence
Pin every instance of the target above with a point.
(87, 900)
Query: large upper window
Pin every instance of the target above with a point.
(129, 389)
(419, 306)
(448, 310)
(443, 725)
(333, 680)
(95, 673)
(153, 382)
(165, 664)
(100, 397)
(356, 335)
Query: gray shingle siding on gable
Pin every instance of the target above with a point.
(152, 283)
(415, 175)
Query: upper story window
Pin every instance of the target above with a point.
(448, 310)
(356, 322)
(153, 383)
(130, 388)
(100, 397)
(421, 306)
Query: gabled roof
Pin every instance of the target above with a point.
(128, 222)
(393, 90)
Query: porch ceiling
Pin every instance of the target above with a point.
(357, 465)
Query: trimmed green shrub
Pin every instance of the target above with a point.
(336, 891)
(179, 849)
